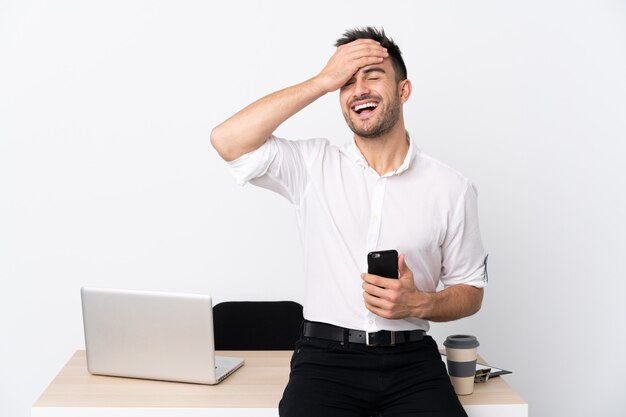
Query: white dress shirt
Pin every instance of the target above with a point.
(345, 210)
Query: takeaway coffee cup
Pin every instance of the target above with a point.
(461, 353)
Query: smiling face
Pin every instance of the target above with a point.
(371, 101)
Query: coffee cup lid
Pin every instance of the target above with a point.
(461, 341)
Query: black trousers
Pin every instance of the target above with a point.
(331, 379)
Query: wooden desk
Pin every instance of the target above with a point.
(254, 390)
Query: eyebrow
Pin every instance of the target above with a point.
(373, 69)
(367, 71)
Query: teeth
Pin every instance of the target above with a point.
(365, 105)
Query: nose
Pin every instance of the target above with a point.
(361, 88)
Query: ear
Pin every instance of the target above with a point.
(405, 90)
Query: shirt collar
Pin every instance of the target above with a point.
(355, 154)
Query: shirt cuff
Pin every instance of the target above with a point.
(479, 279)
(253, 164)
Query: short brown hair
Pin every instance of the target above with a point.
(379, 36)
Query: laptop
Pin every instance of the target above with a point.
(152, 335)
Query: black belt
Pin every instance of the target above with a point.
(380, 338)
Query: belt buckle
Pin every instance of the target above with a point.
(392, 339)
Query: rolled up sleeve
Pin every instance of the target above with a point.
(277, 165)
(464, 260)
(254, 164)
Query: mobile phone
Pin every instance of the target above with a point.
(383, 263)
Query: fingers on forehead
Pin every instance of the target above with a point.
(364, 42)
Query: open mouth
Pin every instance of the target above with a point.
(365, 108)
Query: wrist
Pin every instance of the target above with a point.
(321, 84)
(424, 304)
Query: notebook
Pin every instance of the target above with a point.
(152, 335)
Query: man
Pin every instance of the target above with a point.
(363, 350)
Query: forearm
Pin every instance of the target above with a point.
(249, 129)
(452, 303)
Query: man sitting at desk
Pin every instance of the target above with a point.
(364, 350)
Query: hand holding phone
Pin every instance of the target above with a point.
(383, 263)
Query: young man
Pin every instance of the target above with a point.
(363, 350)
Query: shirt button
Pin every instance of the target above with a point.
(375, 218)
(370, 321)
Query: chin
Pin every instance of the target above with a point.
(373, 133)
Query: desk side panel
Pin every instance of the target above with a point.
(151, 412)
(499, 410)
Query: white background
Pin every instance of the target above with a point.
(107, 176)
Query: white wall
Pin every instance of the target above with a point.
(107, 177)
